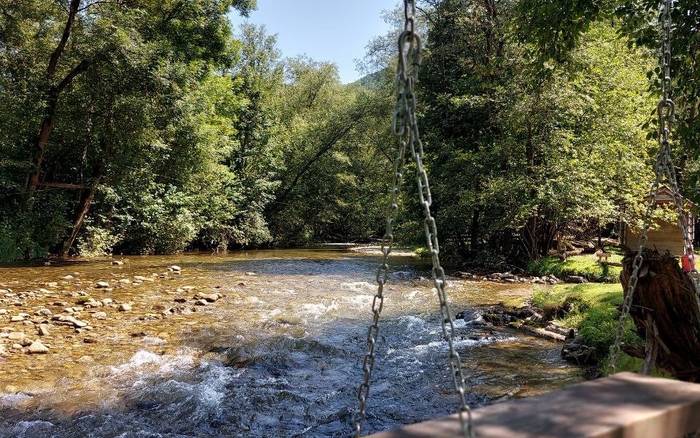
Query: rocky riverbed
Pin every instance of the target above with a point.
(75, 316)
(248, 344)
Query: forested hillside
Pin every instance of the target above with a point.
(154, 127)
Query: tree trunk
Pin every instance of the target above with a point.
(665, 306)
(52, 93)
(475, 231)
(85, 202)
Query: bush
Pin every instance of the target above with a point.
(96, 241)
(599, 326)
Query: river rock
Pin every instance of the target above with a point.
(69, 320)
(92, 303)
(44, 312)
(99, 315)
(576, 279)
(16, 336)
(201, 302)
(124, 281)
(125, 307)
(208, 297)
(37, 347)
(3, 312)
(251, 274)
(43, 329)
(76, 322)
(102, 285)
(576, 351)
(17, 318)
(117, 263)
(67, 277)
(174, 268)
(107, 301)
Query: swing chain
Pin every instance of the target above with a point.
(399, 126)
(405, 127)
(378, 300)
(663, 168)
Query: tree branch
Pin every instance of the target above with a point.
(58, 51)
(81, 67)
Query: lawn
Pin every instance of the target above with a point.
(585, 265)
(591, 309)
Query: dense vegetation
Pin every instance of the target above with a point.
(146, 126)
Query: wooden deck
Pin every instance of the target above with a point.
(625, 405)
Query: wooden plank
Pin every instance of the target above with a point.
(625, 405)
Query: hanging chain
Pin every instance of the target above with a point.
(405, 127)
(378, 300)
(663, 168)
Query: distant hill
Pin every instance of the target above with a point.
(372, 80)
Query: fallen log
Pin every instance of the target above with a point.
(665, 307)
(538, 332)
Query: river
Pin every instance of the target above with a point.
(278, 356)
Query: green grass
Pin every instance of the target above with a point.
(422, 252)
(582, 265)
(591, 309)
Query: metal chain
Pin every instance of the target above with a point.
(382, 277)
(663, 168)
(405, 126)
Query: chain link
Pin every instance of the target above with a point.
(664, 168)
(405, 127)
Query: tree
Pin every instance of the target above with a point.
(81, 89)
(517, 148)
(556, 31)
(331, 137)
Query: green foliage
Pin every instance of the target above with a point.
(336, 146)
(590, 308)
(518, 155)
(556, 30)
(183, 136)
(586, 266)
(96, 241)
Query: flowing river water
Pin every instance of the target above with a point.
(278, 356)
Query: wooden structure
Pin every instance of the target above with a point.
(625, 405)
(664, 236)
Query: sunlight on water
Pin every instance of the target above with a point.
(278, 355)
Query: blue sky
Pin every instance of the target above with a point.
(325, 30)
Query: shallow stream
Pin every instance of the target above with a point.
(278, 356)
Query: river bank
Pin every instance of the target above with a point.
(285, 335)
